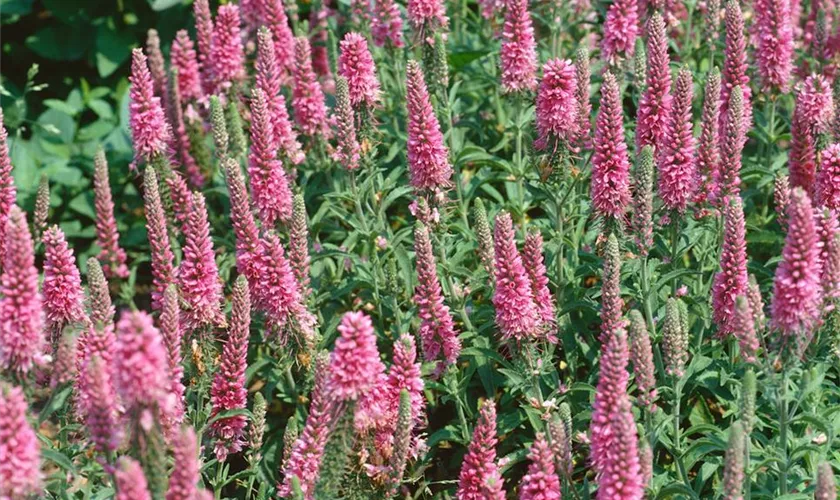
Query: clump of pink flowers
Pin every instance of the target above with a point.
(557, 110)
(519, 49)
(428, 162)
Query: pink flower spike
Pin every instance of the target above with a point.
(62, 290)
(405, 374)
(304, 461)
(249, 248)
(131, 483)
(356, 65)
(610, 163)
(828, 229)
(731, 280)
(228, 391)
(279, 294)
(157, 67)
(480, 477)
(612, 304)
(427, 15)
(173, 338)
(728, 178)
(275, 18)
(677, 164)
(161, 248)
(142, 371)
(354, 365)
(269, 183)
(735, 66)
(98, 404)
(655, 104)
(21, 317)
(775, 43)
(8, 193)
(517, 315)
(519, 49)
(204, 37)
(428, 157)
(111, 255)
(620, 31)
(828, 178)
(708, 150)
(532, 258)
(268, 78)
(183, 59)
(437, 330)
(307, 96)
(226, 52)
(387, 24)
(557, 108)
(541, 481)
(183, 482)
(743, 328)
(198, 275)
(20, 468)
(796, 288)
(150, 132)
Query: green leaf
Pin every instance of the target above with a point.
(56, 401)
(158, 5)
(113, 47)
(59, 459)
(61, 42)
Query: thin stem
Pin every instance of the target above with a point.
(520, 169)
(783, 431)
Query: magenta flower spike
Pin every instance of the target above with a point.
(428, 157)
(427, 15)
(183, 482)
(356, 65)
(731, 280)
(811, 116)
(269, 183)
(249, 248)
(532, 258)
(828, 178)
(734, 73)
(620, 31)
(354, 365)
(307, 95)
(387, 24)
(614, 449)
(62, 289)
(161, 249)
(774, 52)
(226, 52)
(198, 275)
(519, 49)
(98, 405)
(677, 162)
(182, 144)
(828, 229)
(111, 256)
(142, 369)
(517, 315)
(405, 374)
(204, 39)
(654, 113)
(279, 294)
(21, 316)
(557, 107)
(437, 330)
(20, 468)
(304, 461)
(796, 288)
(157, 67)
(228, 391)
(610, 163)
(150, 132)
(541, 481)
(8, 193)
(173, 338)
(743, 328)
(728, 178)
(183, 59)
(480, 477)
(708, 149)
(268, 78)
(275, 18)
(130, 481)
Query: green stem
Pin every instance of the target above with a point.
(520, 170)
(675, 243)
(783, 431)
